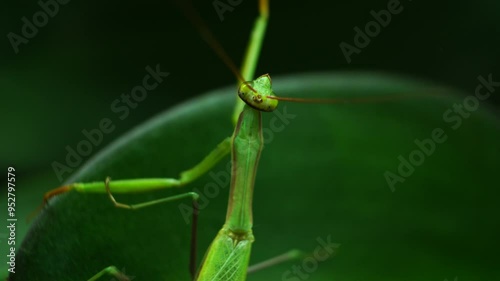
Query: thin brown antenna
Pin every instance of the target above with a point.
(198, 22)
(353, 100)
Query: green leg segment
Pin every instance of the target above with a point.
(141, 185)
(149, 184)
(107, 184)
(253, 51)
(288, 256)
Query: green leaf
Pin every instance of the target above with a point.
(321, 177)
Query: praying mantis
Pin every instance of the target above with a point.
(101, 187)
(229, 254)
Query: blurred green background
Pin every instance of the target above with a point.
(65, 78)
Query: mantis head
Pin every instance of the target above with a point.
(257, 93)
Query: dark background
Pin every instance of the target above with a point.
(90, 52)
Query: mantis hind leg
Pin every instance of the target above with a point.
(110, 270)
